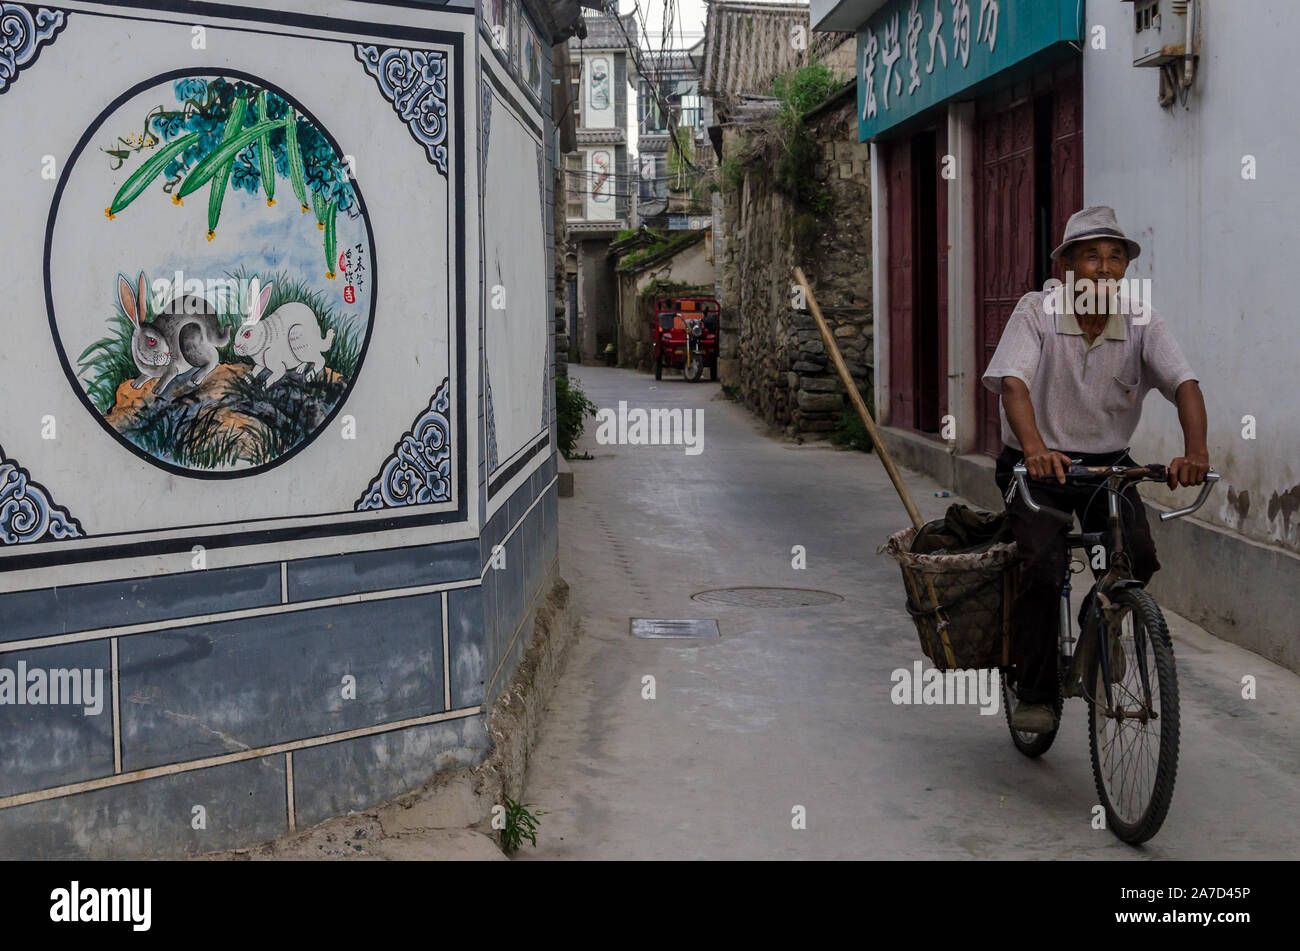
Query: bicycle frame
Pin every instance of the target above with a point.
(1118, 575)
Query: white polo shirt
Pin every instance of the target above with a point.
(1087, 398)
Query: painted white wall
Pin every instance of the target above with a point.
(633, 126)
(90, 472)
(515, 331)
(691, 266)
(601, 197)
(1219, 249)
(598, 94)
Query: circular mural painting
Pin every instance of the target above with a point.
(210, 273)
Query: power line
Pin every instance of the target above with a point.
(584, 175)
(636, 58)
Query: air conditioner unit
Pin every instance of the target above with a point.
(1161, 30)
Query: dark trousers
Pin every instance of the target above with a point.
(1040, 538)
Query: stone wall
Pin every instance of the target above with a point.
(773, 353)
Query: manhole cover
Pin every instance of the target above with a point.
(766, 597)
(674, 627)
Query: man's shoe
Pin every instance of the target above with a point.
(1033, 718)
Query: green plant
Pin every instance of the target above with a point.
(732, 171)
(571, 408)
(664, 243)
(804, 88)
(731, 392)
(520, 824)
(850, 432)
(793, 154)
(107, 362)
(680, 154)
(665, 287)
(238, 137)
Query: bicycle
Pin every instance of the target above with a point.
(1128, 677)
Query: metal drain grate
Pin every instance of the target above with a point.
(675, 627)
(766, 597)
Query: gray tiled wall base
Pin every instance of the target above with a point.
(48, 745)
(88, 607)
(238, 686)
(206, 690)
(244, 802)
(509, 594)
(339, 778)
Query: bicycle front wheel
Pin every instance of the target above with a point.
(1133, 739)
(1032, 745)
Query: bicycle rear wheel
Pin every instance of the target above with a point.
(1032, 745)
(1133, 742)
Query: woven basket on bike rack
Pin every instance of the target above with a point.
(961, 602)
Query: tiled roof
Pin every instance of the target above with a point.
(747, 45)
(603, 32)
(677, 60)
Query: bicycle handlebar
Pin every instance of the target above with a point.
(1211, 477)
(1153, 473)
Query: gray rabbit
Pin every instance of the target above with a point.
(183, 337)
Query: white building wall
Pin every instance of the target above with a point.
(598, 90)
(1220, 249)
(602, 181)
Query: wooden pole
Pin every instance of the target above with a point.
(858, 404)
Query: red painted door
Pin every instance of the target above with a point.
(941, 227)
(918, 281)
(1004, 246)
(1067, 157)
(902, 380)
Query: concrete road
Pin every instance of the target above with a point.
(792, 706)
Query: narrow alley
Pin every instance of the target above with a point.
(791, 706)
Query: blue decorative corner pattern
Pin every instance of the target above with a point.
(415, 82)
(419, 470)
(490, 421)
(27, 513)
(22, 34)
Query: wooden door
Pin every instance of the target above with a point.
(902, 378)
(1004, 245)
(918, 281)
(1067, 157)
(941, 227)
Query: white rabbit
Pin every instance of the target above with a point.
(284, 340)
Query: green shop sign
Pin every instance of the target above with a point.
(913, 54)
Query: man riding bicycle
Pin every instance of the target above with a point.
(1072, 380)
